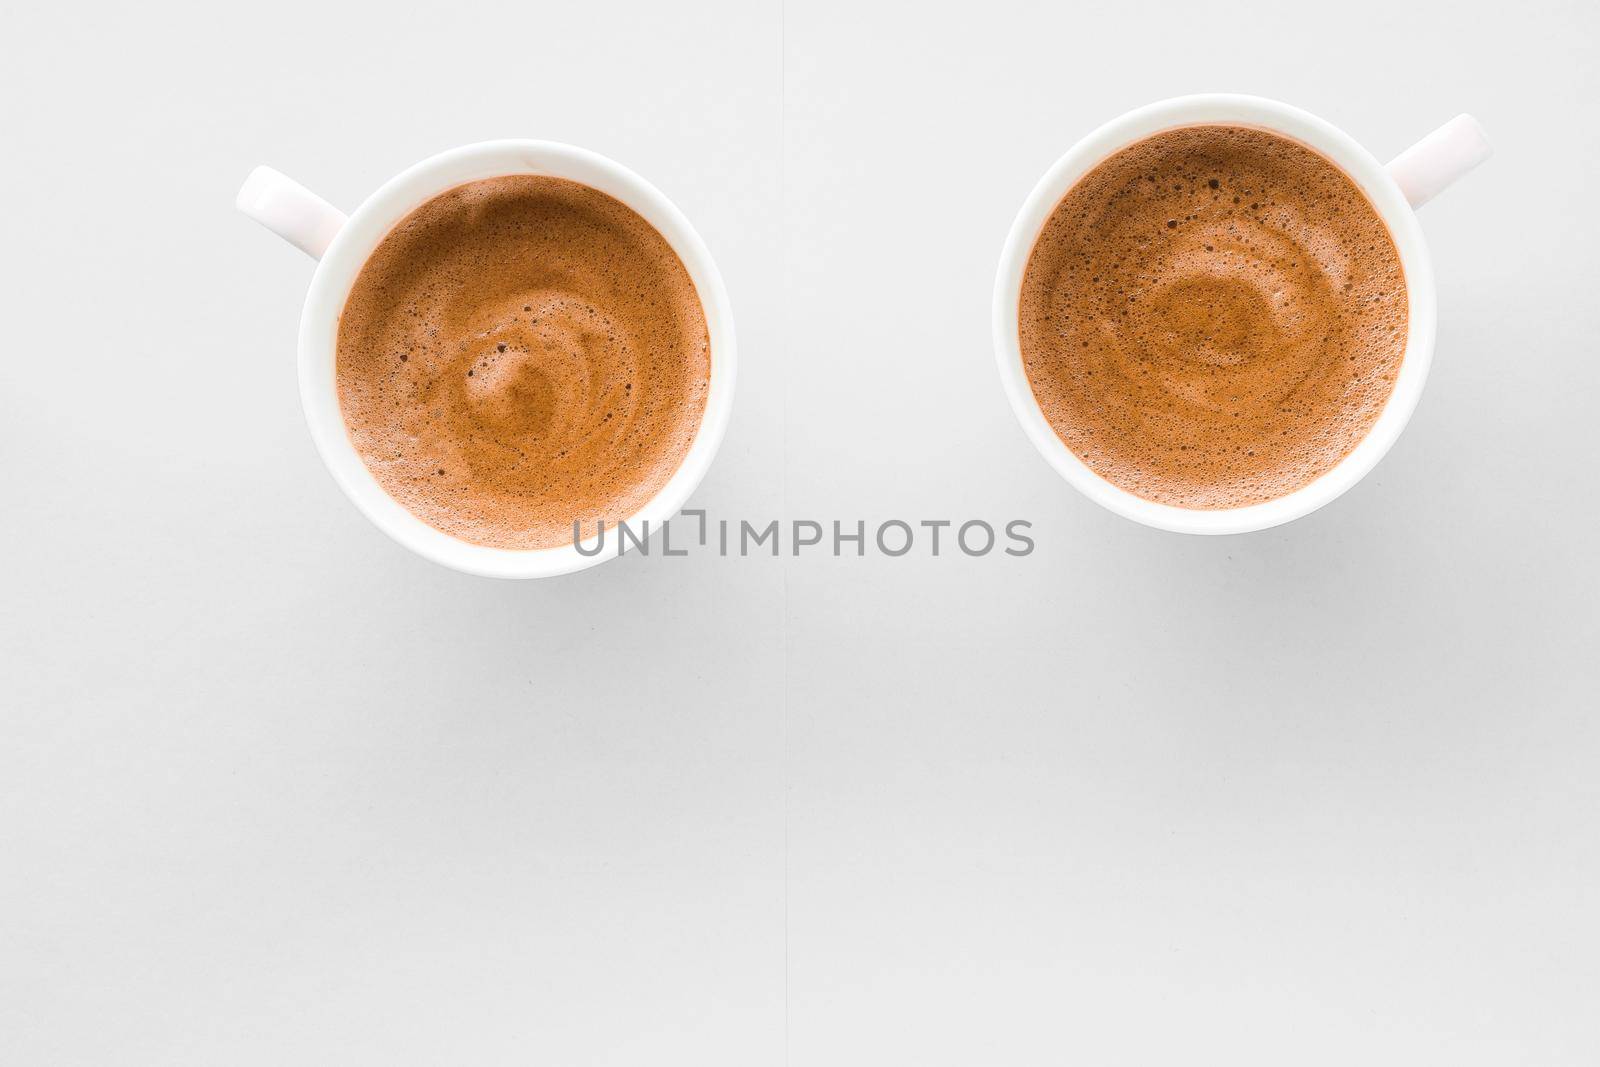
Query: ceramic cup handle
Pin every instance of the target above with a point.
(290, 210)
(1427, 167)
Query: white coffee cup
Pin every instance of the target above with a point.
(342, 246)
(1397, 190)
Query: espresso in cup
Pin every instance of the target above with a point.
(1213, 317)
(519, 354)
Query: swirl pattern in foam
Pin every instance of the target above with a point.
(520, 353)
(1213, 317)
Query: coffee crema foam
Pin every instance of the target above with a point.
(1213, 317)
(520, 353)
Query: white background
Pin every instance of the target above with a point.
(273, 791)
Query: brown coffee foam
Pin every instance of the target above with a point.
(519, 353)
(1213, 317)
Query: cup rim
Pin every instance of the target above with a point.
(1236, 109)
(337, 271)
